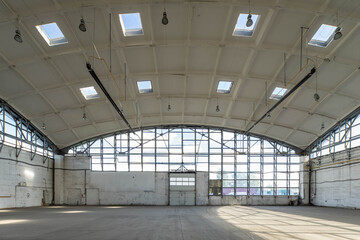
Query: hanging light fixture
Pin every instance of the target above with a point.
(316, 95)
(17, 36)
(84, 117)
(249, 21)
(43, 126)
(337, 34)
(322, 126)
(82, 26)
(164, 19)
(169, 108)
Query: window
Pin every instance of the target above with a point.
(278, 93)
(224, 87)
(344, 137)
(16, 132)
(131, 24)
(241, 29)
(52, 34)
(237, 165)
(323, 36)
(89, 93)
(144, 86)
(178, 181)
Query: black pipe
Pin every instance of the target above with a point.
(53, 183)
(313, 70)
(97, 80)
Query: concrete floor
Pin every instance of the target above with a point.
(190, 223)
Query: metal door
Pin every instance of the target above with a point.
(182, 189)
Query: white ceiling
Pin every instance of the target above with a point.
(184, 61)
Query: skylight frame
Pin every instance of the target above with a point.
(317, 42)
(224, 89)
(144, 89)
(89, 93)
(130, 32)
(278, 93)
(240, 29)
(44, 29)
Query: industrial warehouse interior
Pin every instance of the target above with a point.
(179, 119)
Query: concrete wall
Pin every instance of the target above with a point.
(24, 183)
(75, 184)
(335, 180)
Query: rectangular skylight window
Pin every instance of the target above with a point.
(278, 93)
(224, 87)
(241, 30)
(144, 86)
(52, 34)
(323, 36)
(131, 24)
(89, 93)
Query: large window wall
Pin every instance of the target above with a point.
(17, 132)
(237, 164)
(344, 136)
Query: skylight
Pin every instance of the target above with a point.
(52, 34)
(241, 29)
(224, 87)
(278, 93)
(144, 86)
(131, 24)
(89, 93)
(323, 36)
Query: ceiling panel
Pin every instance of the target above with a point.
(204, 25)
(202, 58)
(170, 58)
(101, 112)
(198, 85)
(12, 84)
(86, 131)
(285, 30)
(242, 109)
(61, 98)
(41, 74)
(266, 63)
(140, 59)
(32, 105)
(232, 60)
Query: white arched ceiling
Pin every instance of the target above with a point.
(184, 61)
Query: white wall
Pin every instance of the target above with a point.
(79, 186)
(24, 183)
(335, 181)
(75, 184)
